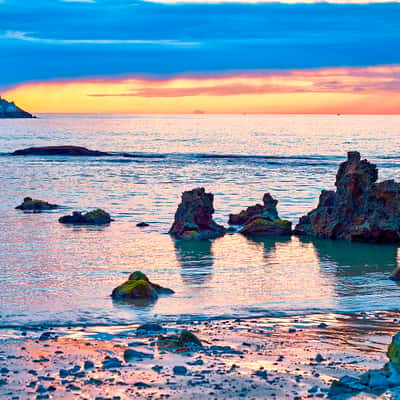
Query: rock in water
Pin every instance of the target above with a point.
(261, 219)
(10, 110)
(95, 217)
(59, 151)
(359, 210)
(35, 205)
(138, 286)
(185, 339)
(267, 210)
(193, 218)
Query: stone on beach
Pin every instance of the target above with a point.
(185, 339)
(59, 151)
(95, 217)
(261, 219)
(193, 218)
(361, 209)
(138, 286)
(30, 204)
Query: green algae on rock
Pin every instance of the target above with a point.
(262, 219)
(95, 217)
(30, 204)
(138, 286)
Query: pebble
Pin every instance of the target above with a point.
(110, 363)
(180, 370)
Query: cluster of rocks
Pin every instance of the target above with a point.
(194, 218)
(95, 217)
(36, 205)
(373, 381)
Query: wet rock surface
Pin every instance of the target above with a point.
(193, 218)
(59, 151)
(139, 287)
(361, 209)
(261, 219)
(30, 204)
(95, 217)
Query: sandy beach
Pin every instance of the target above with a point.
(291, 358)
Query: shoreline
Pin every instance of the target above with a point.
(244, 358)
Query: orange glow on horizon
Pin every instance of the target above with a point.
(369, 90)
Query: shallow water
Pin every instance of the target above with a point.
(55, 274)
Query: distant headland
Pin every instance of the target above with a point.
(10, 110)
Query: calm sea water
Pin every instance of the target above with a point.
(58, 275)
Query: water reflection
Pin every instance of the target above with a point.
(196, 260)
(267, 244)
(354, 259)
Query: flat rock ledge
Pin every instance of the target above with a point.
(59, 151)
(30, 204)
(193, 218)
(361, 209)
(95, 217)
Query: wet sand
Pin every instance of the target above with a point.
(263, 358)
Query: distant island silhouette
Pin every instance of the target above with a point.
(10, 110)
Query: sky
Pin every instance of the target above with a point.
(128, 56)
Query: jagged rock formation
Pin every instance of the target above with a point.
(59, 151)
(267, 210)
(360, 209)
(193, 218)
(30, 204)
(139, 287)
(261, 219)
(10, 110)
(95, 217)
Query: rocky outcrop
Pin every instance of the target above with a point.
(267, 210)
(262, 219)
(95, 217)
(359, 210)
(30, 204)
(139, 287)
(59, 151)
(10, 110)
(193, 218)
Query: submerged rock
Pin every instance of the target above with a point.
(95, 217)
(185, 339)
(30, 204)
(138, 286)
(59, 151)
(359, 210)
(193, 218)
(261, 219)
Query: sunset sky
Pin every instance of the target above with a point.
(217, 56)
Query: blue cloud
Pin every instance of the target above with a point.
(47, 39)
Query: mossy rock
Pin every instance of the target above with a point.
(138, 286)
(30, 204)
(264, 226)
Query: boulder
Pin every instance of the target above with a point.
(137, 287)
(59, 151)
(261, 219)
(267, 210)
(193, 218)
(359, 210)
(95, 217)
(30, 204)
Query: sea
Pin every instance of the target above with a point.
(57, 275)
